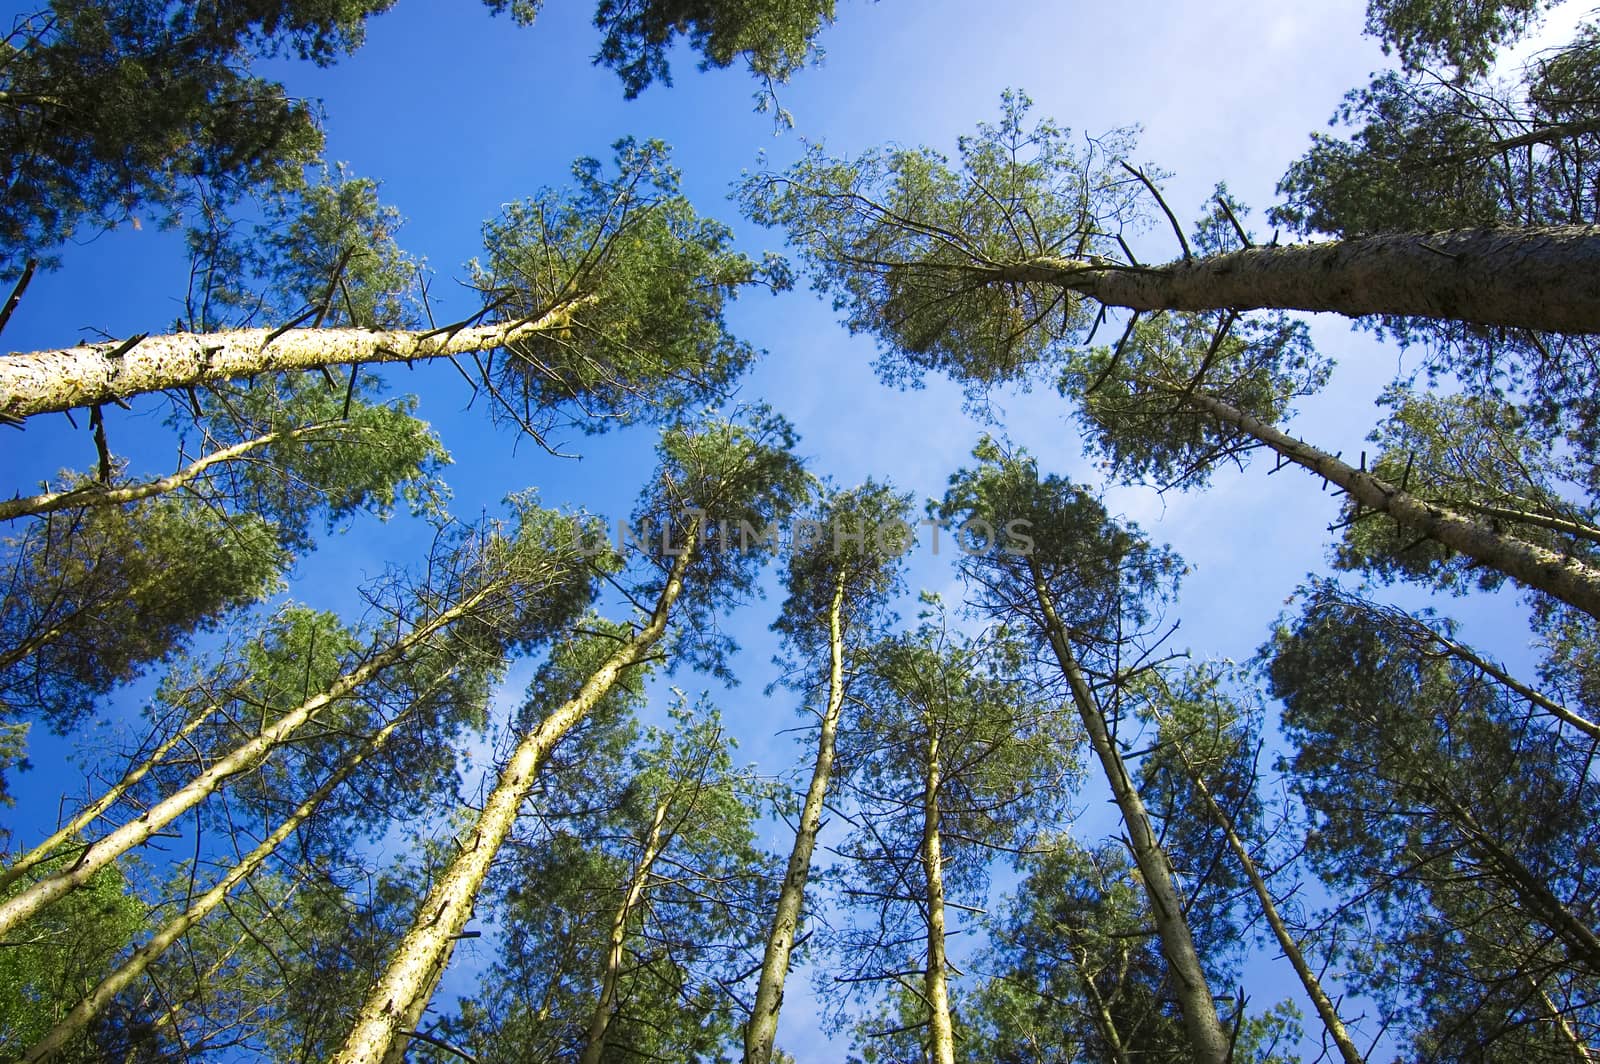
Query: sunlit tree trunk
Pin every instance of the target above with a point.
(936, 986)
(395, 1004)
(762, 1030)
(1207, 1036)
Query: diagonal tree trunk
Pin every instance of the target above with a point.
(935, 984)
(396, 1002)
(1567, 579)
(1544, 279)
(594, 1044)
(1207, 1037)
(18, 909)
(762, 1030)
(46, 381)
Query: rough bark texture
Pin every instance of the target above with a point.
(20, 908)
(1207, 1036)
(762, 1031)
(395, 1003)
(46, 381)
(1291, 949)
(1545, 279)
(102, 995)
(935, 984)
(1566, 578)
(594, 1043)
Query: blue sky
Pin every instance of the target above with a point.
(457, 112)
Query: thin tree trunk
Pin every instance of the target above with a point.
(594, 1043)
(396, 1002)
(1567, 579)
(96, 495)
(762, 1030)
(1580, 1052)
(18, 909)
(1562, 525)
(1207, 1036)
(1291, 949)
(95, 809)
(1545, 279)
(103, 994)
(935, 985)
(1104, 1022)
(16, 293)
(46, 381)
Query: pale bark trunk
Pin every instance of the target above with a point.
(594, 1044)
(1544, 279)
(1104, 1022)
(1565, 578)
(112, 985)
(242, 758)
(1291, 949)
(1207, 1037)
(1580, 1052)
(95, 495)
(762, 1031)
(95, 809)
(396, 1001)
(936, 987)
(46, 381)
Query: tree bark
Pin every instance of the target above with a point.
(18, 909)
(1207, 1037)
(1545, 279)
(396, 1001)
(106, 991)
(47, 381)
(762, 1031)
(936, 987)
(1567, 579)
(594, 1043)
(1269, 908)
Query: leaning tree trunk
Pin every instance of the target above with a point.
(395, 1003)
(935, 984)
(1567, 579)
(106, 991)
(594, 1043)
(762, 1030)
(18, 909)
(1269, 908)
(42, 382)
(1207, 1037)
(1544, 279)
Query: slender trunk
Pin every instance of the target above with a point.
(97, 808)
(762, 1030)
(594, 1044)
(1104, 1022)
(97, 495)
(242, 758)
(46, 381)
(1567, 579)
(1207, 1036)
(935, 985)
(1562, 525)
(396, 1001)
(112, 985)
(16, 293)
(1291, 949)
(1580, 1052)
(1544, 279)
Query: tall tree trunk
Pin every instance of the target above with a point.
(1291, 949)
(762, 1030)
(594, 1043)
(102, 995)
(1544, 279)
(1207, 1037)
(97, 495)
(16, 910)
(396, 1002)
(935, 985)
(95, 809)
(46, 381)
(1104, 1022)
(1581, 1053)
(1567, 579)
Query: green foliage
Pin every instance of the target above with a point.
(64, 955)
(1462, 34)
(912, 247)
(640, 283)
